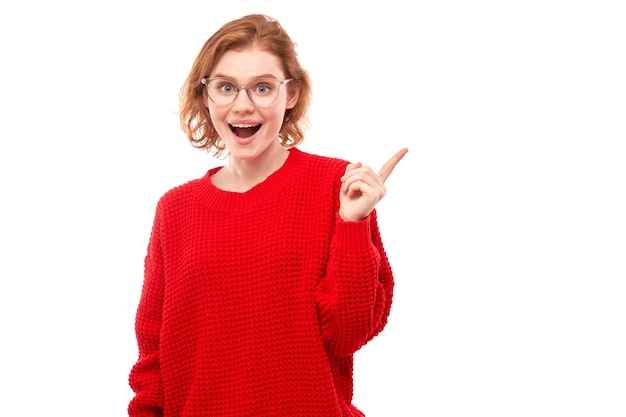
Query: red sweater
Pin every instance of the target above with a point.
(254, 303)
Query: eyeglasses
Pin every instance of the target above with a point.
(262, 92)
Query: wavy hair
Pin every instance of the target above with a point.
(268, 34)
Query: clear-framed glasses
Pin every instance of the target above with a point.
(262, 91)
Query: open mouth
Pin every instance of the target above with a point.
(245, 130)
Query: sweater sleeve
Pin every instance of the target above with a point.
(145, 377)
(354, 297)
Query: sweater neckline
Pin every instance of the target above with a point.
(232, 201)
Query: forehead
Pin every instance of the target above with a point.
(248, 63)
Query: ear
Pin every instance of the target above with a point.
(293, 93)
(205, 98)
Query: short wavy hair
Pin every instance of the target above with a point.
(268, 34)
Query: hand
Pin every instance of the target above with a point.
(362, 188)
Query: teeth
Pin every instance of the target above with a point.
(243, 125)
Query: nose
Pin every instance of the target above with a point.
(243, 102)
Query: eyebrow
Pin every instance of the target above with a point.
(258, 77)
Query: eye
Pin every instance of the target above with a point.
(224, 87)
(263, 88)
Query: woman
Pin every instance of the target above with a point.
(264, 277)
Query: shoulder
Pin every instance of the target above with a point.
(321, 164)
(184, 193)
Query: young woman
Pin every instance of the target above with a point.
(265, 276)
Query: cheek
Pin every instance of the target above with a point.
(277, 115)
(216, 113)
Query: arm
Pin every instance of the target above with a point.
(355, 295)
(145, 376)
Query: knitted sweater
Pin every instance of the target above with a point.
(254, 303)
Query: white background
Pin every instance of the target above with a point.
(504, 224)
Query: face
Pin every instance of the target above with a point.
(247, 130)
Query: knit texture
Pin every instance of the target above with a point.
(253, 304)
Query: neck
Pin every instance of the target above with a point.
(240, 175)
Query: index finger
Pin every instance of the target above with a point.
(387, 169)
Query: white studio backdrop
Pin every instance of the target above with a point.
(504, 223)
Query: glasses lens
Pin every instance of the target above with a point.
(221, 91)
(262, 92)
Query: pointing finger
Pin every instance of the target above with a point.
(387, 169)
